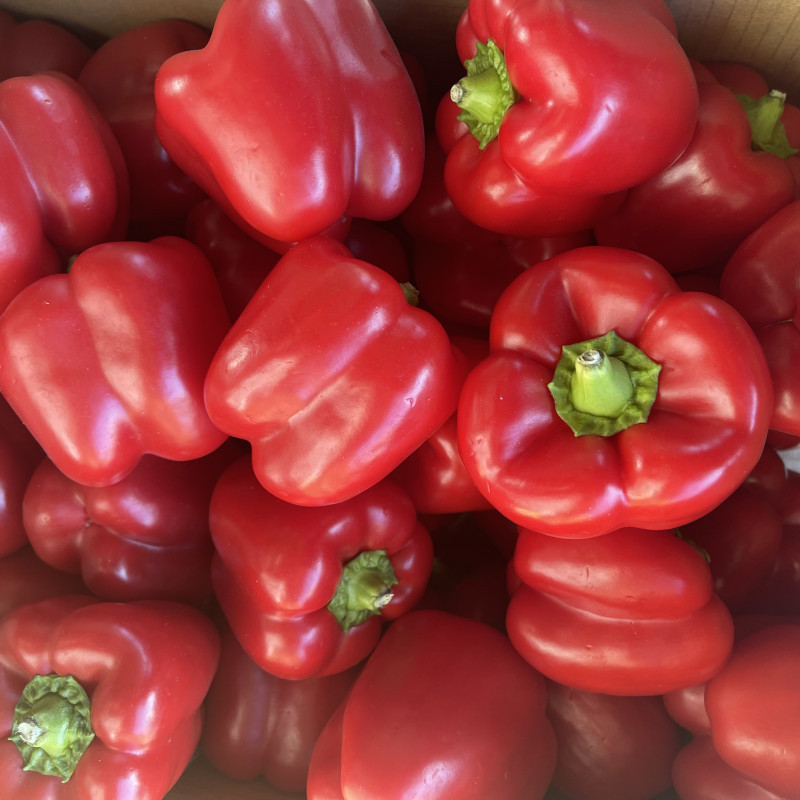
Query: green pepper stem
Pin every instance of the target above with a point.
(485, 94)
(52, 725)
(604, 385)
(600, 384)
(479, 94)
(767, 130)
(364, 588)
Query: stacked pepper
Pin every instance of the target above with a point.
(381, 453)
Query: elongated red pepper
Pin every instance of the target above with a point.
(546, 149)
(306, 590)
(551, 427)
(65, 183)
(101, 699)
(146, 537)
(337, 128)
(331, 375)
(107, 363)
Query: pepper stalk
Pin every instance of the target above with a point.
(604, 385)
(364, 588)
(52, 725)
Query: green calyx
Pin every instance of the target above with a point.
(485, 94)
(411, 292)
(768, 132)
(604, 385)
(364, 589)
(52, 726)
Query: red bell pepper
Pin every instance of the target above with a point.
(19, 456)
(306, 589)
(694, 213)
(120, 78)
(610, 614)
(431, 215)
(746, 80)
(761, 280)
(240, 262)
(331, 375)
(461, 283)
(379, 243)
(257, 724)
(434, 474)
(586, 455)
(545, 149)
(742, 537)
(25, 578)
(443, 708)
(107, 363)
(146, 537)
(65, 184)
(611, 748)
(101, 699)
(38, 45)
(688, 708)
(469, 577)
(337, 128)
(753, 705)
(698, 773)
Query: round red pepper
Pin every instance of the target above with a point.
(703, 433)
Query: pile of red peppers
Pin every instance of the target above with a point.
(361, 443)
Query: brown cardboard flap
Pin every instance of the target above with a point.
(765, 34)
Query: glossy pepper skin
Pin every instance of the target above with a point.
(694, 213)
(349, 141)
(706, 426)
(698, 773)
(331, 375)
(306, 589)
(120, 78)
(65, 183)
(145, 537)
(529, 156)
(611, 747)
(753, 705)
(107, 363)
(609, 614)
(257, 724)
(394, 736)
(761, 280)
(145, 668)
